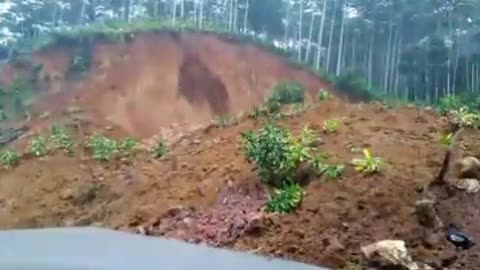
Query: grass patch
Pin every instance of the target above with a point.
(9, 158)
(62, 139)
(331, 126)
(38, 146)
(160, 150)
(104, 149)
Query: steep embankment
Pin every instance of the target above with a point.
(154, 80)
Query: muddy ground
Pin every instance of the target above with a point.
(205, 192)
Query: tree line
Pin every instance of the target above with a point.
(412, 49)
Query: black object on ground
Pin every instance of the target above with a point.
(459, 239)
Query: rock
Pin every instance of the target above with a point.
(426, 214)
(67, 194)
(469, 168)
(44, 115)
(394, 252)
(469, 185)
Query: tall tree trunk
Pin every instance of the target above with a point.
(353, 62)
(287, 22)
(82, 12)
(320, 34)
(300, 26)
(397, 69)
(330, 38)
(340, 46)
(455, 71)
(310, 35)
(230, 16)
(202, 2)
(182, 9)
(370, 57)
(387, 64)
(195, 10)
(127, 8)
(155, 9)
(174, 12)
(235, 17)
(245, 19)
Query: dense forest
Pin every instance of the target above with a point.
(411, 49)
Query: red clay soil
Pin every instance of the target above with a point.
(204, 191)
(155, 80)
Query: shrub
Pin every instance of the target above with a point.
(299, 108)
(318, 162)
(285, 200)
(355, 82)
(368, 163)
(322, 95)
(225, 121)
(275, 152)
(449, 103)
(160, 149)
(288, 92)
(38, 146)
(331, 126)
(128, 145)
(308, 136)
(9, 158)
(463, 117)
(104, 149)
(62, 139)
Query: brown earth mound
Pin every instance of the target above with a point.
(155, 80)
(204, 191)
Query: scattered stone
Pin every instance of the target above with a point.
(426, 214)
(394, 252)
(470, 168)
(469, 185)
(67, 194)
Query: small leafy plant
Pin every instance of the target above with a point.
(225, 121)
(128, 146)
(368, 163)
(285, 200)
(38, 146)
(333, 171)
(160, 149)
(445, 139)
(104, 149)
(449, 103)
(331, 126)
(299, 108)
(9, 158)
(308, 136)
(322, 95)
(62, 139)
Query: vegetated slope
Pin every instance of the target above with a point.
(204, 191)
(153, 80)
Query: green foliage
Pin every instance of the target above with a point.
(463, 117)
(318, 162)
(38, 146)
(160, 149)
(9, 158)
(275, 152)
(257, 112)
(323, 95)
(286, 199)
(225, 121)
(333, 171)
(288, 92)
(128, 146)
(103, 148)
(355, 83)
(299, 108)
(308, 136)
(331, 126)
(367, 163)
(62, 139)
(449, 103)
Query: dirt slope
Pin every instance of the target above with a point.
(154, 80)
(205, 191)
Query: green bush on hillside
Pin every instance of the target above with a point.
(356, 83)
(275, 153)
(288, 92)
